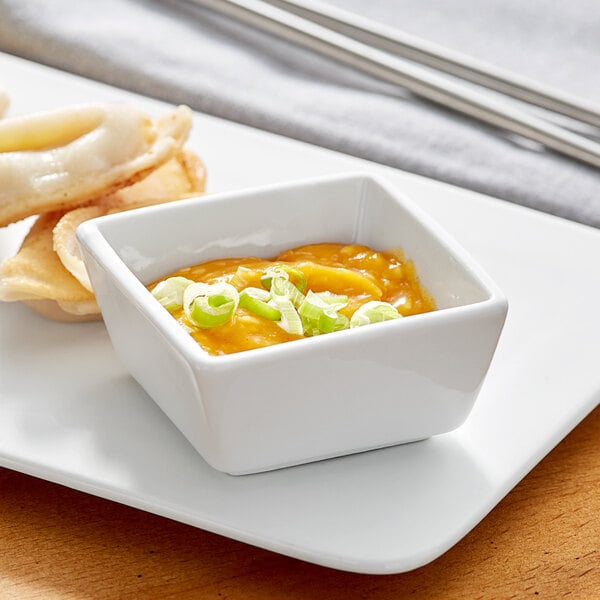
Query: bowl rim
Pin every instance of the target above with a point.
(91, 237)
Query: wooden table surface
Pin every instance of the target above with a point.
(541, 541)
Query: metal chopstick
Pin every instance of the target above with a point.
(420, 81)
(448, 61)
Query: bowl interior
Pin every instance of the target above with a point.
(155, 241)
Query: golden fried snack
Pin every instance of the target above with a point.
(181, 177)
(61, 159)
(64, 241)
(36, 273)
(48, 273)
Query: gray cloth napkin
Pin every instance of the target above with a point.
(178, 52)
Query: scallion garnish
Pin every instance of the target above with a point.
(292, 274)
(319, 313)
(255, 300)
(343, 322)
(283, 301)
(170, 292)
(290, 319)
(283, 288)
(210, 305)
(374, 312)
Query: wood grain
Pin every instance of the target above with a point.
(542, 541)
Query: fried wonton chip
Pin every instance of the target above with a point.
(63, 158)
(64, 241)
(181, 177)
(36, 272)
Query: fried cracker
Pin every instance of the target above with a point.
(36, 272)
(61, 159)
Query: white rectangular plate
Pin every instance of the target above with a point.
(69, 413)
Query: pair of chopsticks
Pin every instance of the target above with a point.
(374, 48)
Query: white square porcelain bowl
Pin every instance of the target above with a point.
(313, 398)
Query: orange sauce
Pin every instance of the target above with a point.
(358, 272)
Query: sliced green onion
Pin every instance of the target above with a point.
(335, 301)
(282, 288)
(255, 300)
(285, 272)
(374, 312)
(210, 305)
(257, 293)
(170, 292)
(318, 313)
(343, 322)
(241, 277)
(290, 319)
(218, 300)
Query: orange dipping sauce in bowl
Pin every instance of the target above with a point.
(355, 271)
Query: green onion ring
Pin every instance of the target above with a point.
(282, 288)
(170, 292)
(284, 271)
(290, 319)
(318, 313)
(373, 312)
(210, 305)
(255, 300)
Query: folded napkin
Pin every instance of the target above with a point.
(178, 52)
